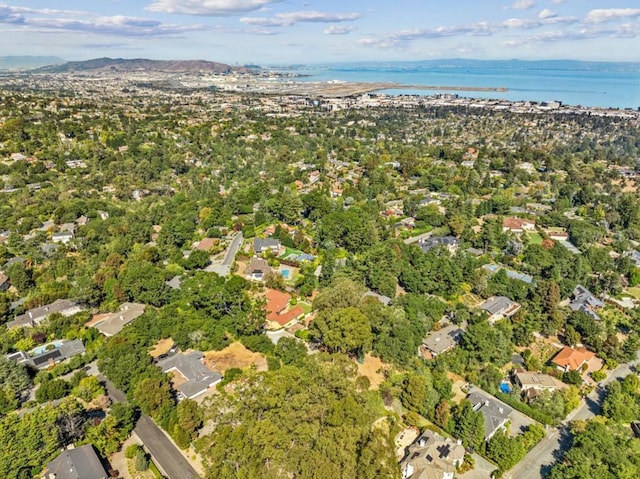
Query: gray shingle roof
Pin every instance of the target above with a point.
(495, 412)
(496, 305)
(432, 242)
(191, 367)
(443, 339)
(79, 463)
(118, 320)
(37, 315)
(260, 244)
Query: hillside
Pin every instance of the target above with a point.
(141, 64)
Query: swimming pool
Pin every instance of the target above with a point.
(505, 387)
(43, 349)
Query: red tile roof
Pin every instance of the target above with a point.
(572, 358)
(286, 317)
(516, 223)
(277, 301)
(206, 244)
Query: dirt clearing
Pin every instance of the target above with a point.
(234, 356)
(372, 368)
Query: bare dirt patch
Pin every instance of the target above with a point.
(457, 386)
(234, 356)
(162, 347)
(372, 368)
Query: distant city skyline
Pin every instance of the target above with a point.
(313, 31)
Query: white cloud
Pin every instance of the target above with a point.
(338, 30)
(546, 13)
(47, 20)
(602, 15)
(524, 4)
(322, 17)
(265, 22)
(556, 2)
(401, 38)
(587, 33)
(211, 8)
(291, 18)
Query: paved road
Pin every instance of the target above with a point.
(164, 452)
(224, 268)
(232, 250)
(539, 460)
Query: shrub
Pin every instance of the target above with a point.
(142, 462)
(132, 451)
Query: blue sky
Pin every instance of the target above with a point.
(314, 31)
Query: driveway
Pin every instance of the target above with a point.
(224, 268)
(164, 453)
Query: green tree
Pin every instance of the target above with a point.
(154, 397)
(345, 330)
(469, 426)
(190, 417)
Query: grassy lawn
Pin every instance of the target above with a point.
(535, 238)
(290, 251)
(306, 307)
(634, 291)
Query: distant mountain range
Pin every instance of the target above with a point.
(141, 64)
(27, 62)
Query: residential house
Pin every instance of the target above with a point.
(206, 244)
(140, 194)
(495, 412)
(77, 463)
(35, 316)
(535, 208)
(474, 252)
(518, 225)
(557, 234)
(67, 227)
(432, 456)
(429, 201)
(175, 283)
(442, 340)
(583, 300)
(257, 269)
(526, 166)
(500, 307)
(569, 359)
(634, 256)
(451, 243)
(493, 268)
(111, 324)
(408, 223)
(62, 237)
(261, 245)
(194, 376)
(278, 313)
(47, 356)
(314, 177)
(532, 384)
(5, 283)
